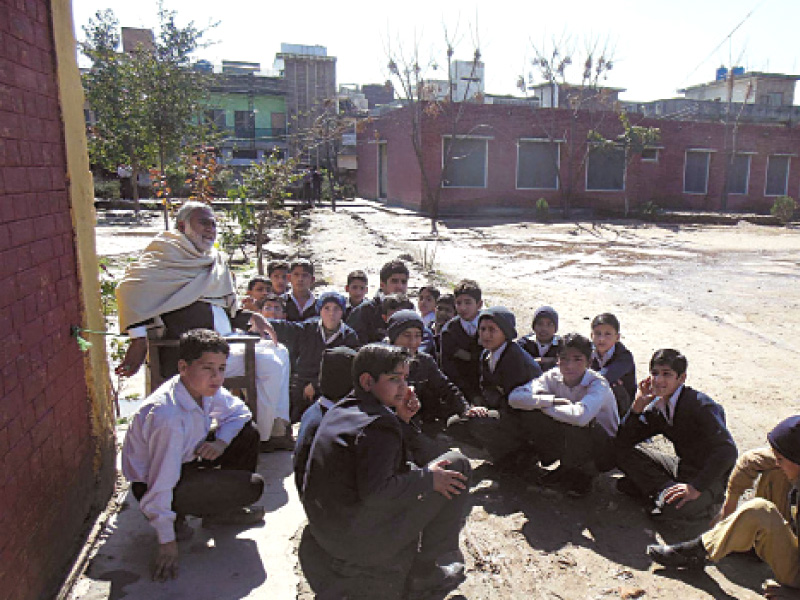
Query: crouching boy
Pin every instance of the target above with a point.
(177, 467)
(375, 515)
(765, 523)
(572, 417)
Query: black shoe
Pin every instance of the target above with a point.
(442, 576)
(687, 555)
(577, 484)
(183, 530)
(247, 515)
(626, 486)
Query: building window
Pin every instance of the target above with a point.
(216, 118)
(244, 123)
(246, 154)
(537, 165)
(650, 155)
(777, 176)
(466, 166)
(605, 170)
(695, 172)
(739, 174)
(772, 99)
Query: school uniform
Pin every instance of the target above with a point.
(309, 424)
(295, 312)
(367, 321)
(348, 310)
(461, 355)
(618, 367)
(546, 353)
(705, 450)
(438, 396)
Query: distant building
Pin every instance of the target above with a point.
(466, 81)
(378, 94)
(566, 95)
(751, 87)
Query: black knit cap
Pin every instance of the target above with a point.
(546, 311)
(504, 318)
(402, 320)
(336, 372)
(785, 438)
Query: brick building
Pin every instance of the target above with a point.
(56, 423)
(508, 156)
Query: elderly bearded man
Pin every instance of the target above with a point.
(181, 282)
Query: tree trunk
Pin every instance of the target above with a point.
(135, 187)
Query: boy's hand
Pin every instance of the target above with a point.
(262, 326)
(249, 304)
(644, 395)
(211, 450)
(166, 566)
(134, 357)
(409, 406)
(447, 483)
(308, 392)
(680, 493)
(477, 411)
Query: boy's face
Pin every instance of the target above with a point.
(301, 281)
(444, 312)
(390, 388)
(604, 337)
(396, 284)
(789, 468)
(665, 380)
(573, 364)
(490, 335)
(467, 307)
(331, 315)
(203, 376)
(258, 291)
(426, 303)
(273, 310)
(545, 330)
(357, 289)
(410, 339)
(279, 279)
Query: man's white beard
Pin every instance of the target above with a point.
(196, 238)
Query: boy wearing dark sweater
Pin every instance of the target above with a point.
(613, 360)
(372, 512)
(301, 304)
(366, 319)
(692, 483)
(356, 289)
(278, 274)
(542, 344)
(460, 351)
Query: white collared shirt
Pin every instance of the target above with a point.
(471, 327)
(428, 319)
(164, 433)
(544, 348)
(603, 360)
(495, 356)
(667, 408)
(311, 300)
(333, 336)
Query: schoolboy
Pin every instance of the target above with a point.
(445, 310)
(542, 344)
(571, 417)
(301, 303)
(278, 273)
(309, 339)
(356, 288)
(257, 288)
(460, 351)
(613, 360)
(273, 306)
(426, 304)
(371, 511)
(768, 523)
(394, 302)
(335, 382)
(367, 318)
(689, 485)
(177, 467)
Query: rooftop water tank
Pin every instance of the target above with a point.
(722, 74)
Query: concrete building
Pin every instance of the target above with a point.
(745, 87)
(378, 94)
(466, 81)
(565, 95)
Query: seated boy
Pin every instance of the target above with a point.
(542, 344)
(356, 288)
(366, 318)
(309, 339)
(335, 382)
(460, 351)
(395, 302)
(445, 310)
(613, 360)
(372, 512)
(426, 304)
(278, 273)
(572, 417)
(767, 523)
(170, 456)
(301, 304)
(257, 288)
(273, 306)
(691, 484)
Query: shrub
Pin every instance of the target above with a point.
(783, 208)
(542, 210)
(107, 190)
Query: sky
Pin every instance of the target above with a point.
(656, 47)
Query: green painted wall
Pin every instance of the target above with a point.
(263, 105)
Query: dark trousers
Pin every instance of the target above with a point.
(652, 472)
(297, 401)
(222, 485)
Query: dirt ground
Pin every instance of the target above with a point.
(727, 297)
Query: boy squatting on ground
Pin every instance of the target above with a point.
(691, 484)
(301, 304)
(169, 456)
(366, 318)
(460, 353)
(767, 523)
(613, 360)
(373, 513)
(571, 416)
(356, 289)
(309, 339)
(542, 344)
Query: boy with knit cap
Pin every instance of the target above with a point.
(767, 523)
(542, 344)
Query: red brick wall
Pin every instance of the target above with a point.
(660, 182)
(46, 449)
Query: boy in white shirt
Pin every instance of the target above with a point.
(573, 417)
(170, 454)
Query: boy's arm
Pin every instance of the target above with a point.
(533, 395)
(446, 390)
(721, 452)
(621, 364)
(287, 331)
(362, 321)
(450, 364)
(231, 415)
(582, 412)
(164, 471)
(241, 320)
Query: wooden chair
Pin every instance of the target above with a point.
(246, 382)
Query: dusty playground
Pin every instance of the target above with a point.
(728, 297)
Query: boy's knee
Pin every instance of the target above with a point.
(256, 487)
(760, 511)
(458, 462)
